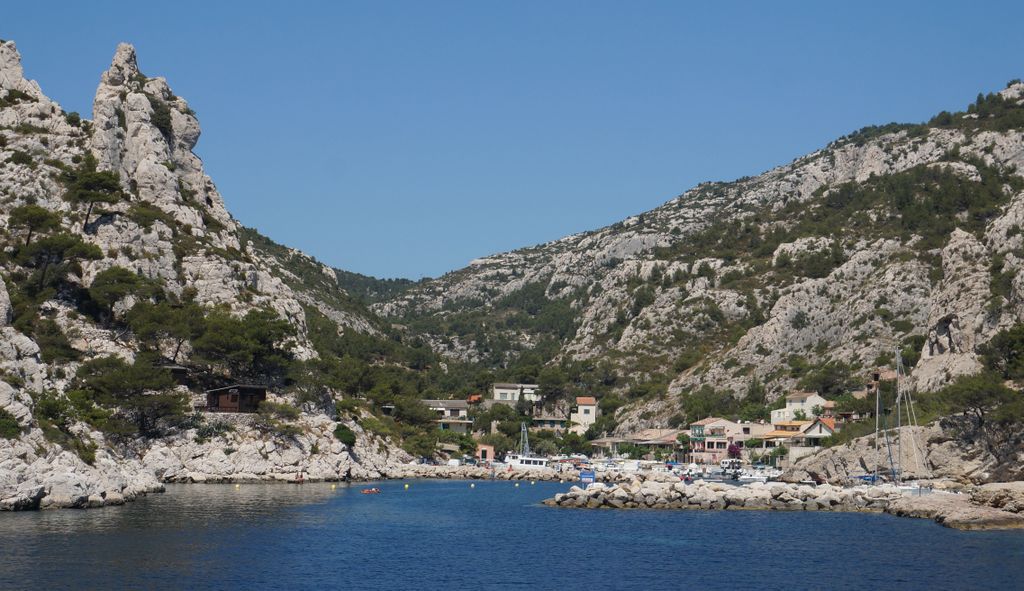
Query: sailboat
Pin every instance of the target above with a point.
(524, 460)
(904, 403)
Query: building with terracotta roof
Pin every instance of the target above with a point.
(584, 414)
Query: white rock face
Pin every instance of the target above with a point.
(246, 454)
(171, 226)
(5, 305)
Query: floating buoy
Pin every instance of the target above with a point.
(236, 486)
(560, 481)
(472, 485)
(517, 485)
(533, 482)
(334, 486)
(407, 486)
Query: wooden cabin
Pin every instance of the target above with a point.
(237, 398)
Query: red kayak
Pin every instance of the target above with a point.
(370, 491)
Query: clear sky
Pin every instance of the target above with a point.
(408, 138)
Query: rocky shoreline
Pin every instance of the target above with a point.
(995, 506)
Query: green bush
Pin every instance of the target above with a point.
(19, 157)
(348, 406)
(385, 428)
(146, 214)
(208, 431)
(421, 444)
(54, 345)
(9, 427)
(278, 410)
(345, 435)
(161, 117)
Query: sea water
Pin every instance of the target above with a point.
(494, 535)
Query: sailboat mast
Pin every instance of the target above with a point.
(898, 468)
(524, 440)
(878, 411)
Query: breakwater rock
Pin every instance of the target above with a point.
(959, 511)
(478, 473)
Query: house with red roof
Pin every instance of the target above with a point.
(584, 414)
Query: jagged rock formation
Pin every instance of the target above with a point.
(171, 227)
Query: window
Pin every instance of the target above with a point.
(586, 411)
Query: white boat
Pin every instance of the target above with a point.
(524, 460)
(520, 462)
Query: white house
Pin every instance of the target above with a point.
(452, 415)
(584, 414)
(798, 402)
(513, 393)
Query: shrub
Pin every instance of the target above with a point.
(208, 431)
(54, 345)
(348, 406)
(161, 117)
(19, 157)
(345, 435)
(278, 410)
(146, 214)
(9, 427)
(420, 444)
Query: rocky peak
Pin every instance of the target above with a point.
(12, 75)
(146, 134)
(123, 68)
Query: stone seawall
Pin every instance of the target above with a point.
(478, 473)
(961, 511)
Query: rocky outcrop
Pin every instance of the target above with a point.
(248, 454)
(952, 510)
(35, 474)
(922, 453)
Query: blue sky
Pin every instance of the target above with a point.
(407, 138)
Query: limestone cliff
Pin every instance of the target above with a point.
(170, 226)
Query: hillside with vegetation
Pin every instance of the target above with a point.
(809, 276)
(128, 290)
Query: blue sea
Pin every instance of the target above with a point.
(447, 535)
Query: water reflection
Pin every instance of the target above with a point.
(446, 535)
